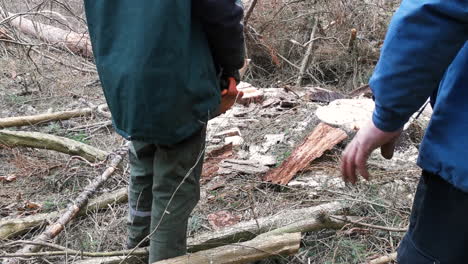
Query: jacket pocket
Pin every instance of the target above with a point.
(408, 253)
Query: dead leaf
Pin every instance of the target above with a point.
(32, 205)
(222, 219)
(8, 178)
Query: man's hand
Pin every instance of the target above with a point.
(229, 95)
(357, 152)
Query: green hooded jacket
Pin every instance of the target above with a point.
(159, 62)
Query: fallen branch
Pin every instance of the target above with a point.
(17, 226)
(66, 39)
(138, 252)
(249, 13)
(51, 142)
(43, 118)
(73, 209)
(384, 228)
(384, 259)
(306, 59)
(322, 138)
(253, 250)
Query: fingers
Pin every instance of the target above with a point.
(348, 168)
(361, 163)
(388, 149)
(354, 162)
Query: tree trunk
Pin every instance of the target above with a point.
(66, 39)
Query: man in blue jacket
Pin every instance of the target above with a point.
(161, 65)
(425, 54)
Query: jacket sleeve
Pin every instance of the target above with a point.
(423, 39)
(222, 22)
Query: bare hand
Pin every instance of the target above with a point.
(359, 149)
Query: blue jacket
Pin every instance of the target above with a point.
(426, 53)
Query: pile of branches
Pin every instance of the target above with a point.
(344, 38)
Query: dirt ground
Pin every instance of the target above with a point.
(45, 181)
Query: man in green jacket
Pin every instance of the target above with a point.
(161, 64)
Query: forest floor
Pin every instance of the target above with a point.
(42, 181)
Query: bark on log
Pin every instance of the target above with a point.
(50, 142)
(253, 250)
(324, 137)
(43, 118)
(65, 39)
(73, 209)
(17, 226)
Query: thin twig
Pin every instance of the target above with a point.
(385, 228)
(249, 12)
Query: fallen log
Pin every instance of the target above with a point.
(289, 221)
(17, 226)
(65, 39)
(253, 250)
(322, 138)
(43, 118)
(72, 210)
(248, 230)
(51, 142)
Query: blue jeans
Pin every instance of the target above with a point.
(438, 231)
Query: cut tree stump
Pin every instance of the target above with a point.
(253, 250)
(43, 118)
(17, 226)
(51, 142)
(73, 208)
(322, 138)
(65, 39)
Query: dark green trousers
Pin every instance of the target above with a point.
(162, 175)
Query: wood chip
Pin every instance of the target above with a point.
(244, 166)
(213, 158)
(322, 138)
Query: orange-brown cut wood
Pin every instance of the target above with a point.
(322, 138)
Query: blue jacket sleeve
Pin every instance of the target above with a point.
(222, 22)
(423, 39)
